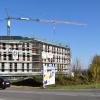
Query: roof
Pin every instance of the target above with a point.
(27, 38)
(14, 38)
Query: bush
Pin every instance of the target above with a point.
(65, 80)
(35, 81)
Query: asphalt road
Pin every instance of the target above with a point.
(39, 94)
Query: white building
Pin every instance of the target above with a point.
(22, 56)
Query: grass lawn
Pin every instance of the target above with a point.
(37, 84)
(91, 86)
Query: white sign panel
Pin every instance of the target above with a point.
(49, 55)
(48, 75)
(15, 54)
(9, 50)
(46, 55)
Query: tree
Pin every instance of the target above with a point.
(77, 68)
(95, 68)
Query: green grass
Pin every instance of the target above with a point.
(23, 87)
(90, 86)
(61, 83)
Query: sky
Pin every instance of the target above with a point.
(83, 40)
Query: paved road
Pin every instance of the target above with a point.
(39, 94)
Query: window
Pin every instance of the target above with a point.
(28, 49)
(4, 56)
(24, 56)
(57, 50)
(15, 67)
(27, 44)
(23, 46)
(22, 67)
(32, 69)
(46, 48)
(28, 57)
(2, 67)
(10, 57)
(4, 46)
(12, 46)
(0, 55)
(10, 67)
(16, 46)
(27, 67)
(48, 59)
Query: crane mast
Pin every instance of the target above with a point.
(8, 26)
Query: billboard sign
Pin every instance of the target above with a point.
(14, 53)
(46, 55)
(48, 75)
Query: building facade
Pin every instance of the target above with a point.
(22, 56)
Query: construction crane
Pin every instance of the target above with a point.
(39, 20)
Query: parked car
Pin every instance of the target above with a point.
(4, 83)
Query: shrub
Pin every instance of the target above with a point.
(35, 81)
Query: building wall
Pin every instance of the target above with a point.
(24, 58)
(61, 58)
(15, 57)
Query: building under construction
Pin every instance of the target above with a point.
(23, 56)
